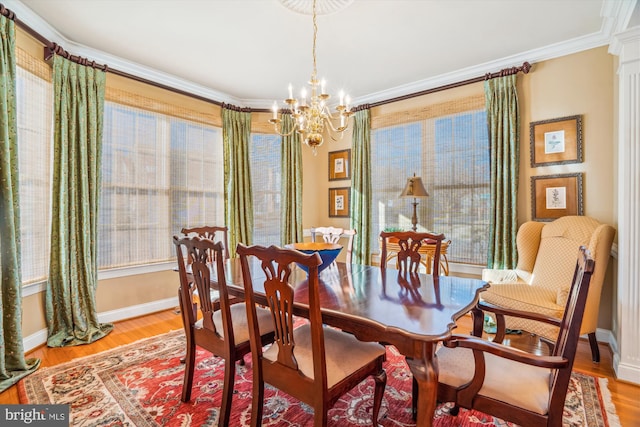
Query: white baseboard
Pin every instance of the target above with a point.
(137, 310)
(625, 371)
(606, 336)
(34, 340)
(40, 337)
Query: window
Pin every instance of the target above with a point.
(451, 154)
(34, 98)
(159, 174)
(266, 177)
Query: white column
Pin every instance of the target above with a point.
(627, 358)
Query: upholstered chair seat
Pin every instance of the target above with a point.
(529, 389)
(344, 353)
(239, 319)
(546, 261)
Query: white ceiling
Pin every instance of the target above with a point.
(247, 51)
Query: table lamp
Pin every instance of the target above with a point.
(414, 188)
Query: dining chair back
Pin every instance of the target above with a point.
(409, 256)
(333, 235)
(314, 364)
(523, 388)
(212, 232)
(222, 327)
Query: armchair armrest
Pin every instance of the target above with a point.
(500, 312)
(501, 350)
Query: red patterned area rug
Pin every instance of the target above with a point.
(140, 385)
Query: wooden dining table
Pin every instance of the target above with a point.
(378, 304)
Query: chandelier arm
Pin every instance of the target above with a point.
(279, 132)
(337, 129)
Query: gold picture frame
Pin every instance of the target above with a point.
(339, 199)
(556, 141)
(554, 196)
(339, 165)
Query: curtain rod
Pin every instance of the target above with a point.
(54, 48)
(525, 68)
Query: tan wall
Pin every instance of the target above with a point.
(582, 83)
(118, 293)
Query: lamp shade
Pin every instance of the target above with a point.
(414, 188)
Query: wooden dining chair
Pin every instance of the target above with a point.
(216, 234)
(511, 384)
(222, 331)
(212, 232)
(312, 363)
(408, 258)
(408, 261)
(333, 235)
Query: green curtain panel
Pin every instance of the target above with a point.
(503, 120)
(291, 193)
(77, 140)
(13, 365)
(360, 209)
(238, 207)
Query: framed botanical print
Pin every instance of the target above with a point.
(339, 165)
(339, 201)
(556, 141)
(554, 196)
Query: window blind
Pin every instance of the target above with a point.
(266, 179)
(34, 99)
(160, 172)
(447, 145)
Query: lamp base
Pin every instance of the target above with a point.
(414, 218)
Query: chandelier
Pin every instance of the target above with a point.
(310, 116)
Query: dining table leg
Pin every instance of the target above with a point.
(425, 372)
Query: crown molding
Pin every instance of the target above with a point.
(616, 16)
(38, 24)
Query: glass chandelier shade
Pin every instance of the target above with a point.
(312, 115)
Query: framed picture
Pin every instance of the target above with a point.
(553, 196)
(556, 141)
(339, 201)
(339, 165)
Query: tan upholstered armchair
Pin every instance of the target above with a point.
(546, 261)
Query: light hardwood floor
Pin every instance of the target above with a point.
(626, 397)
